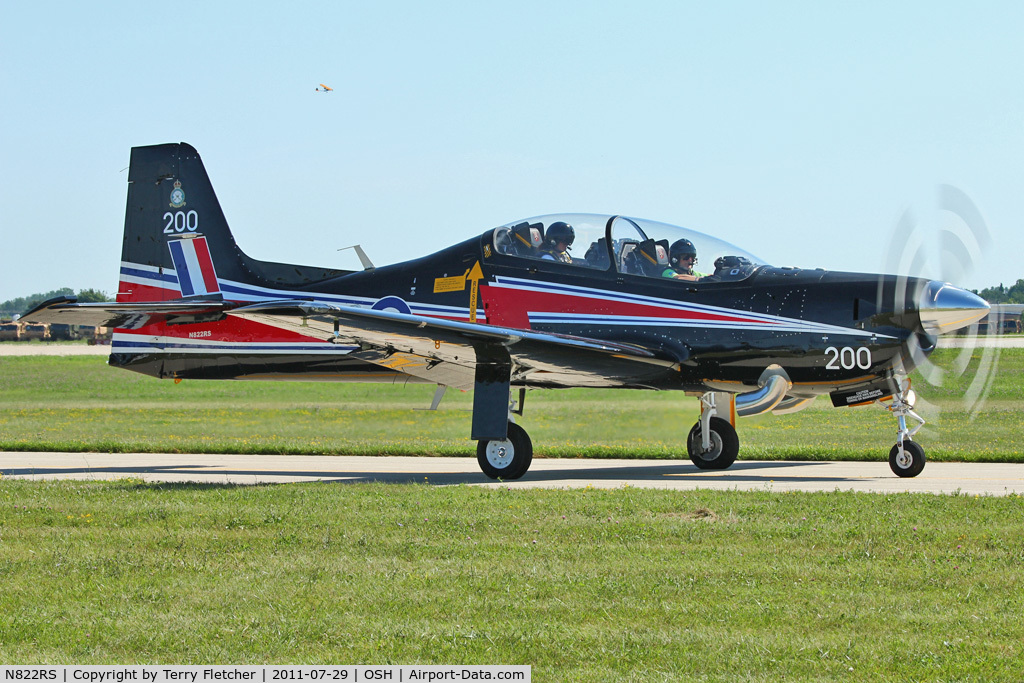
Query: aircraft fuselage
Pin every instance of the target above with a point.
(827, 330)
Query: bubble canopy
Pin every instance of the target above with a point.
(629, 245)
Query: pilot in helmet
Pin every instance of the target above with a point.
(682, 257)
(557, 240)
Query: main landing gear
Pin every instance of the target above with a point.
(508, 458)
(713, 443)
(906, 459)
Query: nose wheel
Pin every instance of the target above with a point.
(906, 459)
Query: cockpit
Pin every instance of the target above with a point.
(626, 245)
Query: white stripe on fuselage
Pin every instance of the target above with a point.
(238, 291)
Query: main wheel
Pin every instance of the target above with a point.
(725, 446)
(910, 463)
(507, 459)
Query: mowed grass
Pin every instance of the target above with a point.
(79, 403)
(583, 585)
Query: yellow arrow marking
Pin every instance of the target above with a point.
(474, 276)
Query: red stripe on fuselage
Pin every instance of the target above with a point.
(510, 307)
(237, 330)
(130, 291)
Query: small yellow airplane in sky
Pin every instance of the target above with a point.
(324, 88)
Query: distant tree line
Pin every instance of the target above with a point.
(1004, 295)
(13, 307)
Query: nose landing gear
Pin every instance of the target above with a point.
(906, 459)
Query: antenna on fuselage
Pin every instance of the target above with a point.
(363, 258)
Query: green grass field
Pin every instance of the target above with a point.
(79, 403)
(584, 585)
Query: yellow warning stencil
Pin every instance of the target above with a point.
(450, 284)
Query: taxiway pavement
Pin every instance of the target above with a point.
(995, 479)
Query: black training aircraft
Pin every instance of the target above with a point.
(512, 309)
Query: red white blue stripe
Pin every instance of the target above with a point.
(169, 281)
(194, 267)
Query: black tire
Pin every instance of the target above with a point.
(725, 446)
(508, 459)
(912, 462)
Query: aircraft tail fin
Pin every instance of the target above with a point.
(177, 243)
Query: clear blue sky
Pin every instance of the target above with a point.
(799, 131)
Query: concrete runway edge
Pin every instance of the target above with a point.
(993, 479)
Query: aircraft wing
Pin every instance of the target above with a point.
(66, 310)
(437, 350)
(448, 352)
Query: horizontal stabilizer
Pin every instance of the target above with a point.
(67, 310)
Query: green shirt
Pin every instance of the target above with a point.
(671, 272)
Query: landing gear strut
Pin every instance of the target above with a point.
(713, 443)
(906, 459)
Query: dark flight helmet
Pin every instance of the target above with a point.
(559, 231)
(679, 249)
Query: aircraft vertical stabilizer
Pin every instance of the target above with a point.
(177, 243)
